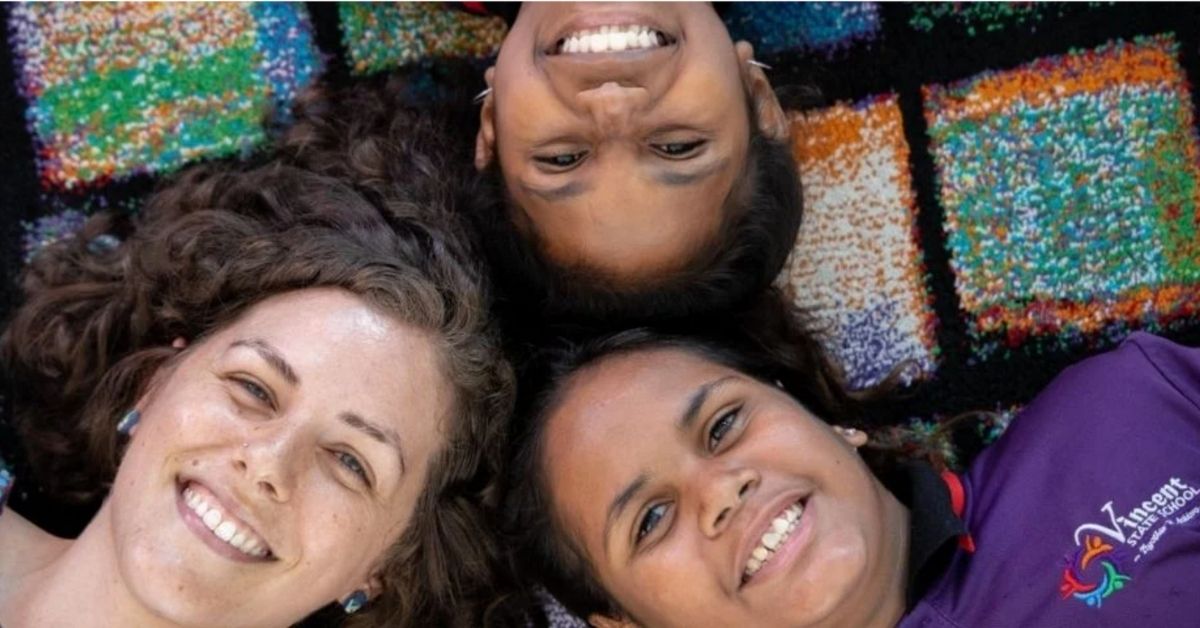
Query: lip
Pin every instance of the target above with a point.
(784, 554)
(595, 19)
(193, 522)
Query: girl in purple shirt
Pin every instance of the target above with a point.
(694, 481)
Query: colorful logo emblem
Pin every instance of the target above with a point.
(1093, 573)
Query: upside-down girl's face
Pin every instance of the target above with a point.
(621, 128)
(702, 497)
(277, 461)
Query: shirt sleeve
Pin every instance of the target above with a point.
(1179, 365)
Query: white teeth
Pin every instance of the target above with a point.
(224, 529)
(611, 39)
(780, 529)
(616, 41)
(599, 42)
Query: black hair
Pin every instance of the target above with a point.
(765, 340)
(763, 217)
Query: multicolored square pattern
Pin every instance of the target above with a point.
(1069, 187)
(385, 35)
(857, 268)
(825, 27)
(123, 88)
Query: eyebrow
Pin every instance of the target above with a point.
(686, 419)
(383, 435)
(272, 357)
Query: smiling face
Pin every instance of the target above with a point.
(703, 497)
(276, 461)
(620, 129)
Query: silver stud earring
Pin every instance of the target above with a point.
(481, 95)
(779, 385)
(354, 602)
(759, 64)
(127, 422)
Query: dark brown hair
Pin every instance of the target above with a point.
(99, 321)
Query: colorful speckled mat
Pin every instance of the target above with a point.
(993, 190)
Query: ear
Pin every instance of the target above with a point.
(857, 438)
(772, 121)
(604, 621)
(485, 140)
(179, 343)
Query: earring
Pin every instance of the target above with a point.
(481, 95)
(354, 602)
(779, 385)
(759, 64)
(127, 422)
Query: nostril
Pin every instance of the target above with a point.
(745, 489)
(721, 516)
(240, 465)
(269, 489)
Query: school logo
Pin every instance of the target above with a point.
(1100, 564)
(1093, 573)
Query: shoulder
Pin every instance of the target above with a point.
(1146, 382)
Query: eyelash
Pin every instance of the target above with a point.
(255, 390)
(724, 424)
(678, 150)
(353, 465)
(554, 161)
(649, 521)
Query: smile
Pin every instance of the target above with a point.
(222, 528)
(612, 39)
(780, 529)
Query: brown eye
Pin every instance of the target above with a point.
(650, 520)
(721, 427)
(561, 161)
(678, 150)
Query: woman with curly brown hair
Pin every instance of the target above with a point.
(287, 394)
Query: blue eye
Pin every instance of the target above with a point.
(256, 391)
(721, 427)
(352, 463)
(651, 520)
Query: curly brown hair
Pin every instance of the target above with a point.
(99, 321)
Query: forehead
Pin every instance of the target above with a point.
(347, 351)
(620, 415)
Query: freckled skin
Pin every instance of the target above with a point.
(276, 461)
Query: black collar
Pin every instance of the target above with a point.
(934, 529)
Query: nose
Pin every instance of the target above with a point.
(613, 107)
(266, 461)
(723, 495)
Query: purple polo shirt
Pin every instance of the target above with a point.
(1086, 512)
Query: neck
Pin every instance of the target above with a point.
(83, 571)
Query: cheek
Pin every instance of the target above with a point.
(675, 584)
